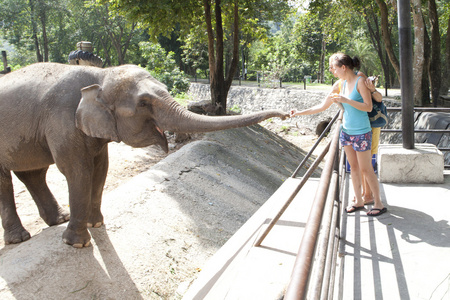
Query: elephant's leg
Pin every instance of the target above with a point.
(98, 182)
(79, 178)
(14, 231)
(48, 207)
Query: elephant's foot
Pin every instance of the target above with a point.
(55, 216)
(16, 235)
(77, 239)
(95, 221)
(94, 225)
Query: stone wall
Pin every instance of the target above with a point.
(253, 99)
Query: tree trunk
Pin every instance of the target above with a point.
(426, 74)
(435, 63)
(218, 85)
(235, 58)
(34, 29)
(322, 60)
(387, 36)
(419, 51)
(446, 81)
(43, 19)
(375, 36)
(107, 56)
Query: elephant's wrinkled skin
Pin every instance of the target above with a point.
(55, 113)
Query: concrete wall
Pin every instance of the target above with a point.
(253, 99)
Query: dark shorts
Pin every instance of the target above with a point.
(360, 142)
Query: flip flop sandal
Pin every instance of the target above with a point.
(380, 211)
(353, 209)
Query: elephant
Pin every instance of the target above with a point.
(53, 113)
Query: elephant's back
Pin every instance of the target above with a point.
(39, 94)
(40, 77)
(44, 84)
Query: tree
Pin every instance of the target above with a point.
(51, 28)
(216, 18)
(309, 41)
(420, 64)
(30, 18)
(427, 38)
(446, 77)
(110, 33)
(386, 35)
(163, 67)
(435, 63)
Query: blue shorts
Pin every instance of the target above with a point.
(360, 142)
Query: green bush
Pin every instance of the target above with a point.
(163, 67)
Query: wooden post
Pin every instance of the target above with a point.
(5, 61)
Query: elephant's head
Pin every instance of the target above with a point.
(133, 107)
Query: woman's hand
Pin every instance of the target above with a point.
(337, 98)
(369, 85)
(292, 113)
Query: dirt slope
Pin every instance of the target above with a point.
(161, 226)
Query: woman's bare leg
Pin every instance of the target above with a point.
(365, 165)
(355, 175)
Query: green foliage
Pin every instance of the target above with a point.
(308, 37)
(183, 99)
(195, 55)
(236, 109)
(16, 57)
(163, 67)
(285, 128)
(275, 57)
(48, 30)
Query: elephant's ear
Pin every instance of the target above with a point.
(94, 117)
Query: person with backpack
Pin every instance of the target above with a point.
(356, 134)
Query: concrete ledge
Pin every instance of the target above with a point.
(424, 164)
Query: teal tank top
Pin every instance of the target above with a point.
(355, 121)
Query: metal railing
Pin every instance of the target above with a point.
(313, 274)
(326, 201)
(422, 109)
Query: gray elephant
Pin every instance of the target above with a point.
(67, 115)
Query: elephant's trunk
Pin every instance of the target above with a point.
(184, 121)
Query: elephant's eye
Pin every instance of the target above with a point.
(145, 104)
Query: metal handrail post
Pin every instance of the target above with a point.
(305, 178)
(325, 131)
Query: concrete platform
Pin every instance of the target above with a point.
(402, 254)
(423, 164)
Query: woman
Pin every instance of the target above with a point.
(376, 132)
(356, 134)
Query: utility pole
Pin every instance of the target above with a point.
(406, 72)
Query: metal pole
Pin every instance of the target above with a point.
(406, 72)
(293, 195)
(324, 133)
